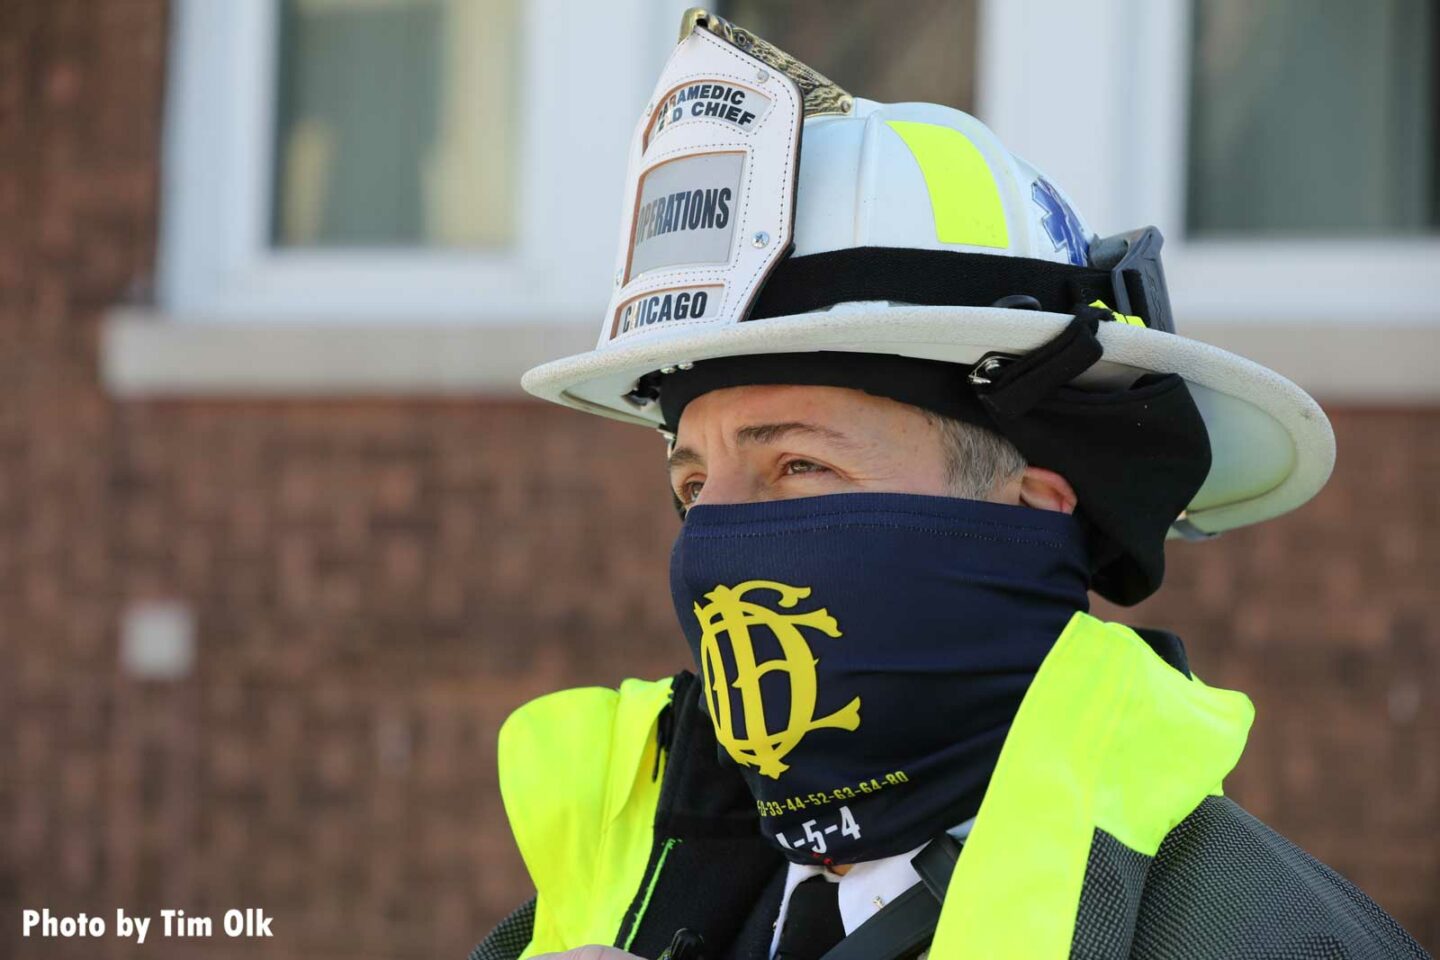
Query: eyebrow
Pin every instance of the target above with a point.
(762, 433)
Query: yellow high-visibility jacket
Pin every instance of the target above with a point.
(1103, 832)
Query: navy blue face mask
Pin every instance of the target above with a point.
(863, 655)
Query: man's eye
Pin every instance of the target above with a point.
(797, 467)
(689, 491)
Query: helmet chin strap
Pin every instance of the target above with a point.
(1011, 390)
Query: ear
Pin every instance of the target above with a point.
(1046, 490)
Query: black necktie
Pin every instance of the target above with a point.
(812, 921)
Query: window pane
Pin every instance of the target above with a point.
(876, 49)
(1314, 117)
(396, 123)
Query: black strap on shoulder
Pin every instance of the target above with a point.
(902, 929)
(936, 864)
(905, 926)
(929, 277)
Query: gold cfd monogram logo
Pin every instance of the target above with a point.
(730, 614)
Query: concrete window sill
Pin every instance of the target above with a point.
(152, 354)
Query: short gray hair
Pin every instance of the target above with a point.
(977, 460)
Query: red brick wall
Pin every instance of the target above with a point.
(376, 584)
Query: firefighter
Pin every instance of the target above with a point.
(914, 412)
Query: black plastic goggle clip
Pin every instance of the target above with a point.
(1138, 279)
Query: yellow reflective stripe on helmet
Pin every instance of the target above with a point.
(575, 775)
(1108, 737)
(1126, 318)
(963, 194)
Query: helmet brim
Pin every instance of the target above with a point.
(1272, 445)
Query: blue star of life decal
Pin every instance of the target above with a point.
(1060, 223)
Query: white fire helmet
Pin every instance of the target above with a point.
(904, 229)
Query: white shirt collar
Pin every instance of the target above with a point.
(864, 889)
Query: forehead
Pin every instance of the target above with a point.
(841, 408)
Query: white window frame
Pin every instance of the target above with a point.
(216, 262)
(1096, 94)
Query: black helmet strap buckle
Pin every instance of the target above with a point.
(1011, 389)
